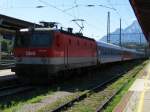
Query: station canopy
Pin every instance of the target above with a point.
(11, 24)
(142, 12)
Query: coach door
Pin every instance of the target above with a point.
(99, 54)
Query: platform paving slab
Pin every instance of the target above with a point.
(6, 72)
(137, 99)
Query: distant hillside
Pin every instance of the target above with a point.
(131, 34)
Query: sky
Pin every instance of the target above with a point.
(64, 11)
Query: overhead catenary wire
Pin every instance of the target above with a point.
(76, 6)
(63, 11)
(53, 6)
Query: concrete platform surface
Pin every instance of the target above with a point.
(138, 95)
(6, 72)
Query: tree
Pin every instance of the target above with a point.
(4, 46)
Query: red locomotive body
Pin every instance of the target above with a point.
(50, 51)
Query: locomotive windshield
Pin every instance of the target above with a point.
(35, 39)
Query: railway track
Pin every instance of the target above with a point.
(99, 87)
(8, 80)
(109, 99)
(14, 89)
(85, 95)
(106, 102)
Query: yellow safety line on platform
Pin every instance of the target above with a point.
(141, 100)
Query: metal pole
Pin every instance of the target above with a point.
(1, 37)
(120, 35)
(140, 40)
(108, 28)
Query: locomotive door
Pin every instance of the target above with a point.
(66, 55)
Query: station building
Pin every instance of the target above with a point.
(9, 26)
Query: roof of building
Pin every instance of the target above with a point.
(11, 23)
(142, 12)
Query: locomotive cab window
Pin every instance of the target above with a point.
(35, 39)
(40, 39)
(22, 40)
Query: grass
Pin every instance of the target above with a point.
(118, 97)
(15, 103)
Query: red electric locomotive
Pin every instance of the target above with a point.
(43, 52)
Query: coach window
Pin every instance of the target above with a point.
(118, 53)
(109, 51)
(104, 51)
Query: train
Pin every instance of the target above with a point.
(42, 53)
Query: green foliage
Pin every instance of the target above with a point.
(6, 45)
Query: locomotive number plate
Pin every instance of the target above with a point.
(30, 53)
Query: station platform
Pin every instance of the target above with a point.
(137, 99)
(6, 72)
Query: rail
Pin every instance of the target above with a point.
(14, 89)
(107, 101)
(85, 95)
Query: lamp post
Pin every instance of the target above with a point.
(40, 6)
(108, 28)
